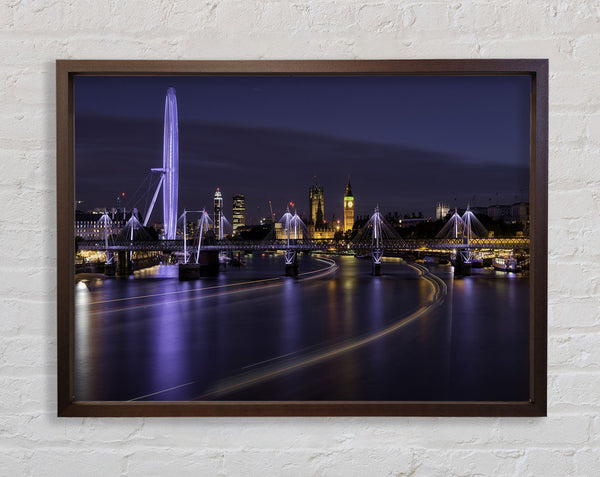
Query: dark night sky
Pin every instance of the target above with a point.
(407, 142)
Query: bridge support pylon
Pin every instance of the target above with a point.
(377, 255)
(462, 264)
(209, 262)
(110, 269)
(207, 266)
(291, 263)
(376, 270)
(124, 263)
(189, 271)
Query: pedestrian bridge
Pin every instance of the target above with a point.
(307, 245)
(461, 237)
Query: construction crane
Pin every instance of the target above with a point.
(272, 215)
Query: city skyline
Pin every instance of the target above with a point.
(249, 219)
(277, 162)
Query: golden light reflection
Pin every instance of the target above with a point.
(332, 309)
(438, 291)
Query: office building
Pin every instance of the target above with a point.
(239, 212)
(218, 214)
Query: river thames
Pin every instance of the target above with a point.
(335, 332)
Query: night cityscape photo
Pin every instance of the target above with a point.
(302, 238)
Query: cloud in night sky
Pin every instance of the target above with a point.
(115, 154)
(406, 141)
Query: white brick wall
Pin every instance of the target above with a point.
(34, 33)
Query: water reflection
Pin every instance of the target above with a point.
(291, 315)
(148, 334)
(333, 309)
(167, 360)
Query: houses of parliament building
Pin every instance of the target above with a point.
(317, 226)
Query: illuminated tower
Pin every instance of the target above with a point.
(218, 214)
(170, 165)
(349, 206)
(319, 222)
(315, 201)
(441, 210)
(239, 211)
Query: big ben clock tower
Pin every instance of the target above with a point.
(348, 207)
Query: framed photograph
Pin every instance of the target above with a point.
(302, 238)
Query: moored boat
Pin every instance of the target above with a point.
(509, 264)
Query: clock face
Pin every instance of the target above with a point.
(349, 203)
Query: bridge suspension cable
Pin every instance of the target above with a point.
(106, 222)
(376, 235)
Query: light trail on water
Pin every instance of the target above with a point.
(438, 291)
(241, 288)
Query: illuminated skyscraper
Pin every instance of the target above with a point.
(349, 206)
(218, 214)
(239, 211)
(170, 165)
(316, 205)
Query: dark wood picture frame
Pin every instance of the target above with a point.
(536, 69)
